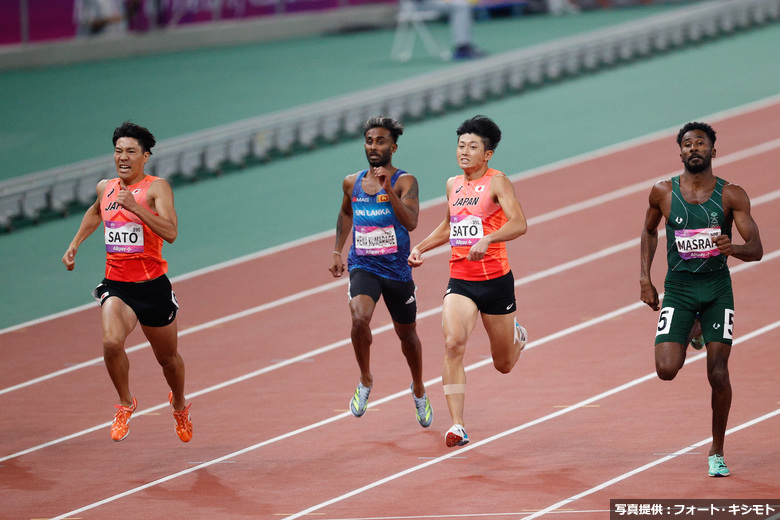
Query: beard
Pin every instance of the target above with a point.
(700, 167)
(381, 160)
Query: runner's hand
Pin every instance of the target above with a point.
(125, 199)
(724, 244)
(382, 175)
(69, 258)
(416, 258)
(336, 266)
(478, 250)
(649, 295)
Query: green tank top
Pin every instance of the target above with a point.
(690, 229)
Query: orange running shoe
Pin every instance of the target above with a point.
(120, 428)
(182, 424)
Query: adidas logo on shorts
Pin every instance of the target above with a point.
(410, 300)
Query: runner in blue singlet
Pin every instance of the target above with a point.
(380, 205)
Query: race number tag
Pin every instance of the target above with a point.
(373, 241)
(124, 237)
(465, 230)
(728, 324)
(664, 321)
(696, 243)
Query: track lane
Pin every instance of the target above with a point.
(344, 372)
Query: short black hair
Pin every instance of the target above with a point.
(394, 127)
(139, 133)
(484, 127)
(704, 127)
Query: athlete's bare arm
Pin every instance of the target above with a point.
(159, 197)
(438, 237)
(89, 223)
(736, 200)
(343, 226)
(658, 208)
(404, 197)
(503, 193)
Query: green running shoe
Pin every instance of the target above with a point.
(718, 466)
(359, 402)
(424, 410)
(697, 342)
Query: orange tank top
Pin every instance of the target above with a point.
(133, 251)
(473, 214)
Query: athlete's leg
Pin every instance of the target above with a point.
(412, 349)
(718, 376)
(164, 341)
(118, 320)
(671, 339)
(503, 345)
(669, 359)
(361, 308)
(459, 317)
(695, 330)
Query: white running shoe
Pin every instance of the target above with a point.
(456, 436)
(521, 335)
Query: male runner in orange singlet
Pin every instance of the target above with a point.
(137, 212)
(483, 213)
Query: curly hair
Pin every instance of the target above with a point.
(394, 127)
(704, 127)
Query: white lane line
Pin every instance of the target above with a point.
(422, 315)
(768, 197)
(431, 312)
(624, 476)
(534, 172)
(405, 393)
(572, 208)
(581, 404)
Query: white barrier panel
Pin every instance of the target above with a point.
(332, 119)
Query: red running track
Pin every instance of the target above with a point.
(582, 418)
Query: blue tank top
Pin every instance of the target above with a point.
(380, 243)
(689, 230)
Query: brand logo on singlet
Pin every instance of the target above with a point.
(678, 220)
(360, 199)
(466, 201)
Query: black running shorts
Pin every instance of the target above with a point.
(153, 302)
(496, 296)
(400, 297)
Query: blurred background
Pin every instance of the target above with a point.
(257, 106)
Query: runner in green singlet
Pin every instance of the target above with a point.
(699, 209)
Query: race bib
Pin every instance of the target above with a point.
(124, 237)
(465, 230)
(371, 240)
(696, 243)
